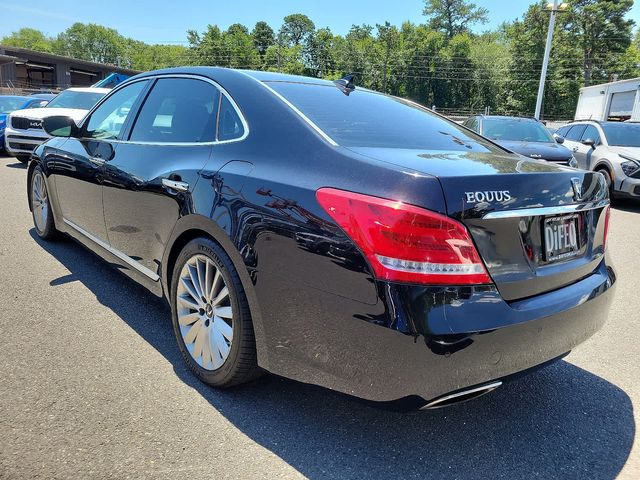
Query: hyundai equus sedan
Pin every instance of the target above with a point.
(328, 233)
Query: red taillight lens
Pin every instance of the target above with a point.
(405, 243)
(607, 215)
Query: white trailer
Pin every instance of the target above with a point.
(610, 101)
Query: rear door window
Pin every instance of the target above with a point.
(591, 133)
(178, 110)
(229, 124)
(575, 133)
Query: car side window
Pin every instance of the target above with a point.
(563, 131)
(178, 110)
(591, 132)
(229, 124)
(107, 120)
(575, 133)
(472, 124)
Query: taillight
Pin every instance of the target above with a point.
(405, 243)
(607, 215)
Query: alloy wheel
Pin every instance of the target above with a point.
(205, 314)
(39, 201)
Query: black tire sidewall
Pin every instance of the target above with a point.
(608, 180)
(210, 249)
(49, 229)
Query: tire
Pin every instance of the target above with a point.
(196, 324)
(608, 180)
(41, 206)
(23, 158)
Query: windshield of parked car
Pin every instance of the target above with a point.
(369, 119)
(10, 104)
(515, 130)
(73, 99)
(622, 134)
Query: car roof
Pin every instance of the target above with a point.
(507, 117)
(88, 89)
(215, 72)
(21, 97)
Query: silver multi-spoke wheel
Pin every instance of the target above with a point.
(39, 201)
(205, 314)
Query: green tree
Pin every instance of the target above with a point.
(296, 29)
(320, 53)
(28, 38)
(91, 42)
(388, 40)
(603, 34)
(263, 37)
(453, 16)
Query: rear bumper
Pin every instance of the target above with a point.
(18, 142)
(440, 340)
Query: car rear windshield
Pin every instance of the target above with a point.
(515, 130)
(10, 104)
(622, 134)
(369, 119)
(79, 100)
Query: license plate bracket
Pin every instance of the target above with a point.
(561, 237)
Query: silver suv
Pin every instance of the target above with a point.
(611, 148)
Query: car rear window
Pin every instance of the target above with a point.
(515, 129)
(369, 119)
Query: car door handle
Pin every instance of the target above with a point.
(575, 149)
(177, 185)
(97, 161)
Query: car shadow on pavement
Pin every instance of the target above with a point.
(17, 164)
(560, 422)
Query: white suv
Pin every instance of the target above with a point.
(611, 148)
(24, 127)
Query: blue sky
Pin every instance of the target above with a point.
(166, 21)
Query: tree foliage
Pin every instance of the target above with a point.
(440, 63)
(453, 16)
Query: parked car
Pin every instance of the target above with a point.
(611, 148)
(11, 103)
(329, 234)
(24, 131)
(525, 136)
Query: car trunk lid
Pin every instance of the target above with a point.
(537, 226)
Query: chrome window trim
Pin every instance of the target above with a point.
(306, 119)
(219, 87)
(122, 256)
(545, 211)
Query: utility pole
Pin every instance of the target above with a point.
(554, 7)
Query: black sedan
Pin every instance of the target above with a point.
(328, 233)
(525, 136)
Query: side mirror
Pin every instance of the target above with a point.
(43, 103)
(60, 126)
(590, 142)
(558, 138)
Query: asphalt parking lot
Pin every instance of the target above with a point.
(92, 386)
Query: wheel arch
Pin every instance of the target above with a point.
(194, 226)
(604, 164)
(30, 169)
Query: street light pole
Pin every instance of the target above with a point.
(545, 62)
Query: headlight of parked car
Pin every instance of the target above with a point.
(629, 166)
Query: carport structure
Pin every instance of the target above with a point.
(24, 69)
